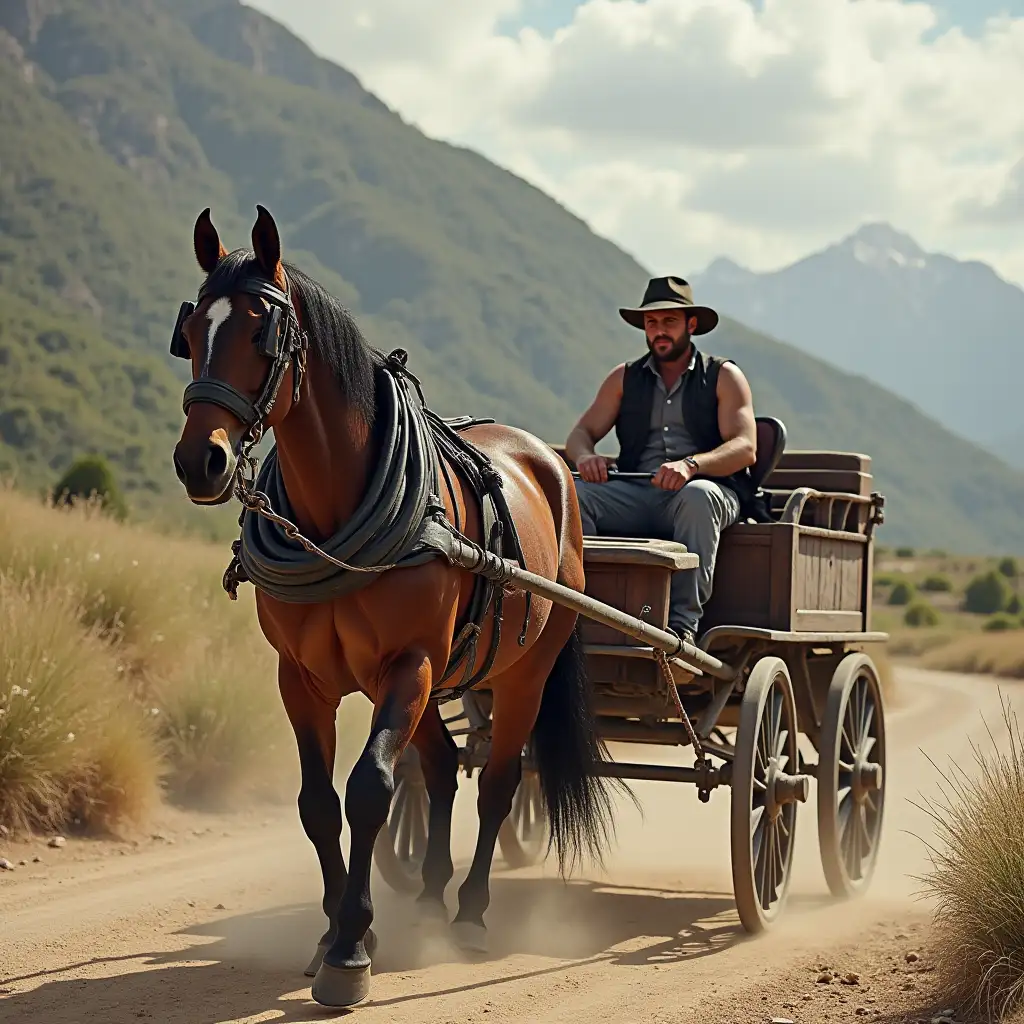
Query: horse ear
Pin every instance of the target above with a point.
(207, 243)
(266, 243)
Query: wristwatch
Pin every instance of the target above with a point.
(691, 461)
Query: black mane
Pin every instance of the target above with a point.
(333, 333)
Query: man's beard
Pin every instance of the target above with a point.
(677, 351)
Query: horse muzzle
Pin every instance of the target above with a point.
(206, 470)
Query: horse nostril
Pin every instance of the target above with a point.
(216, 462)
(179, 471)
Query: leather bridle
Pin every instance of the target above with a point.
(281, 340)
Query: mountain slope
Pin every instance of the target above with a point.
(941, 332)
(126, 119)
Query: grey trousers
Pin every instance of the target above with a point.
(694, 515)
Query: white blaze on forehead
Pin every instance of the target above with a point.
(219, 311)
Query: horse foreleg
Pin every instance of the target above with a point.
(344, 975)
(313, 721)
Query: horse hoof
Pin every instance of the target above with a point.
(340, 986)
(314, 964)
(469, 937)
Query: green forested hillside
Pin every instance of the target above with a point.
(122, 119)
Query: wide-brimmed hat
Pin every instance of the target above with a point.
(671, 293)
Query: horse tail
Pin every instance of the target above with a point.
(566, 747)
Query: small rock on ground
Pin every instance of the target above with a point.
(57, 842)
(5, 864)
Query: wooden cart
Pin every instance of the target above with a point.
(782, 654)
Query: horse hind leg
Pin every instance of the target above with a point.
(439, 759)
(518, 701)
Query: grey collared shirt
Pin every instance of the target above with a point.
(668, 439)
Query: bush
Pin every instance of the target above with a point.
(1008, 568)
(901, 593)
(937, 584)
(904, 552)
(91, 479)
(921, 613)
(987, 594)
(1000, 623)
(885, 579)
(977, 879)
(1013, 606)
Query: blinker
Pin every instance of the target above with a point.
(179, 344)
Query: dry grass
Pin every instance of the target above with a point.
(977, 878)
(125, 639)
(999, 654)
(72, 742)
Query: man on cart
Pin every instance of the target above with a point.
(687, 419)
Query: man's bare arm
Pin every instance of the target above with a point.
(593, 425)
(736, 425)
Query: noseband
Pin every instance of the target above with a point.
(281, 340)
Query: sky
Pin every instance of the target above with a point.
(685, 130)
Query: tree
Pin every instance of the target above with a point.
(987, 594)
(90, 478)
(901, 593)
(1008, 567)
(936, 583)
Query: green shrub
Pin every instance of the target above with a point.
(885, 579)
(901, 593)
(904, 552)
(1013, 606)
(1008, 567)
(1000, 623)
(921, 613)
(90, 478)
(937, 583)
(987, 594)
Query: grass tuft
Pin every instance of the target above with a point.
(977, 878)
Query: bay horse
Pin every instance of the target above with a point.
(270, 349)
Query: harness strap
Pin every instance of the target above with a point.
(400, 522)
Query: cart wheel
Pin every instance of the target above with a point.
(524, 833)
(851, 776)
(765, 795)
(402, 843)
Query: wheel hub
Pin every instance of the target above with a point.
(867, 779)
(785, 789)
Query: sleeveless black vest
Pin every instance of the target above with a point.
(700, 414)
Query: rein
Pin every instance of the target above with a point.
(401, 520)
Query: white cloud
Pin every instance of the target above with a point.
(685, 129)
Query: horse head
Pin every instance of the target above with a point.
(248, 354)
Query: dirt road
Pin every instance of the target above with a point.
(217, 928)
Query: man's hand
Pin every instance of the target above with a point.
(594, 468)
(672, 476)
